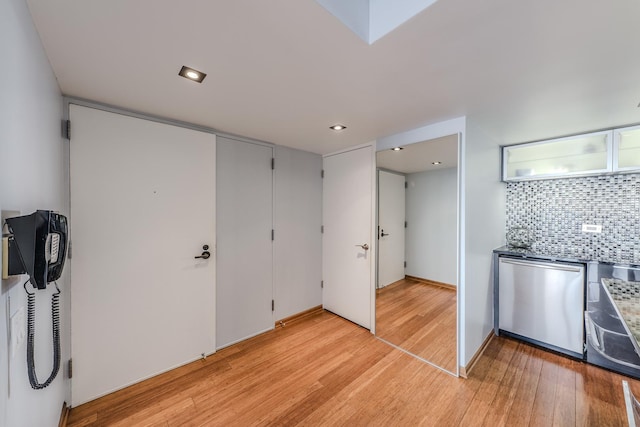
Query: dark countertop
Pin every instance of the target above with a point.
(535, 254)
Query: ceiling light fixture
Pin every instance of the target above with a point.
(436, 163)
(337, 128)
(191, 74)
(397, 149)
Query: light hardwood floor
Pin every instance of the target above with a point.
(421, 318)
(324, 370)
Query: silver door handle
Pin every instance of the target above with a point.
(365, 247)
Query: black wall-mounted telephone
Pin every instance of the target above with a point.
(40, 242)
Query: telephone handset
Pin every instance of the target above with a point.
(40, 240)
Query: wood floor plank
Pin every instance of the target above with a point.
(414, 401)
(564, 410)
(491, 386)
(542, 411)
(599, 397)
(504, 400)
(421, 318)
(156, 416)
(324, 370)
(521, 410)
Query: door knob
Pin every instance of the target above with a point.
(382, 234)
(205, 253)
(365, 247)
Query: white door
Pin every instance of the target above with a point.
(391, 208)
(142, 208)
(245, 248)
(347, 217)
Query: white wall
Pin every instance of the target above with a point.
(33, 171)
(298, 243)
(431, 235)
(484, 223)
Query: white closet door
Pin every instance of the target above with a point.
(391, 214)
(245, 248)
(347, 216)
(142, 207)
(297, 250)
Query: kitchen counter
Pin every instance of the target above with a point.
(626, 297)
(566, 256)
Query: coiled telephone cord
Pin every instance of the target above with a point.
(31, 320)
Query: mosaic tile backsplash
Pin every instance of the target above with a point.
(556, 209)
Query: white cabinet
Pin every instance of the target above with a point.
(586, 154)
(626, 149)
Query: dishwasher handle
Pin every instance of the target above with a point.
(550, 266)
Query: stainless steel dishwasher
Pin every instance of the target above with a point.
(543, 303)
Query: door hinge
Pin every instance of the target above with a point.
(322, 173)
(322, 284)
(66, 129)
(405, 264)
(273, 163)
(273, 234)
(406, 224)
(273, 305)
(69, 251)
(70, 368)
(406, 184)
(322, 229)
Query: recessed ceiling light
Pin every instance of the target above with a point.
(397, 149)
(436, 163)
(338, 127)
(191, 74)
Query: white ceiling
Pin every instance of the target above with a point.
(420, 157)
(283, 71)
